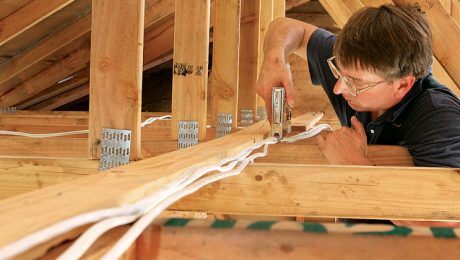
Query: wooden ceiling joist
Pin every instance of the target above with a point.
(29, 15)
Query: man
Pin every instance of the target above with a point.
(377, 76)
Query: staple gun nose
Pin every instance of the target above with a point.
(281, 114)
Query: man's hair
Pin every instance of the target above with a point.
(390, 41)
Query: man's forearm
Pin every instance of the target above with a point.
(285, 36)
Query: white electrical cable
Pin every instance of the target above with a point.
(307, 134)
(153, 119)
(4, 132)
(124, 243)
(178, 184)
(43, 135)
(79, 247)
(148, 204)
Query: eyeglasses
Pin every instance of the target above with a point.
(352, 87)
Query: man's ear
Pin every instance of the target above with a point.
(404, 85)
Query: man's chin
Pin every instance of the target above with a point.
(356, 107)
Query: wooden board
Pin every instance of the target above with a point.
(60, 70)
(117, 35)
(45, 47)
(308, 152)
(190, 78)
(160, 242)
(63, 98)
(225, 65)
(22, 175)
(249, 51)
(28, 16)
(412, 193)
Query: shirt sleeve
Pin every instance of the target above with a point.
(319, 49)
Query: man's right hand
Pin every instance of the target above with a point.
(284, 36)
(275, 73)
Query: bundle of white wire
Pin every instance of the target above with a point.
(147, 209)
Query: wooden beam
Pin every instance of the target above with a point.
(225, 65)
(28, 16)
(61, 69)
(224, 243)
(308, 152)
(190, 78)
(249, 52)
(22, 175)
(158, 41)
(9, 6)
(334, 191)
(163, 242)
(157, 11)
(455, 13)
(63, 98)
(446, 36)
(117, 35)
(294, 3)
(279, 8)
(341, 10)
(265, 18)
(55, 90)
(110, 188)
(44, 48)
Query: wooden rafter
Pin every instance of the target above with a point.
(60, 70)
(29, 15)
(62, 99)
(45, 47)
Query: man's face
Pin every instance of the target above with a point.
(365, 91)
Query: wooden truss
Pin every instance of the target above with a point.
(44, 181)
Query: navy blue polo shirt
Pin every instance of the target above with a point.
(426, 121)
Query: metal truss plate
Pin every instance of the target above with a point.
(224, 124)
(7, 110)
(115, 148)
(188, 134)
(261, 114)
(246, 117)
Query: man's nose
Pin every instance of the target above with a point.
(339, 87)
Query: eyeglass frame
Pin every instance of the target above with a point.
(345, 80)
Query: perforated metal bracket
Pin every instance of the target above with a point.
(246, 117)
(188, 134)
(115, 148)
(7, 110)
(224, 124)
(261, 114)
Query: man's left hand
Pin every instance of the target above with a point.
(347, 145)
